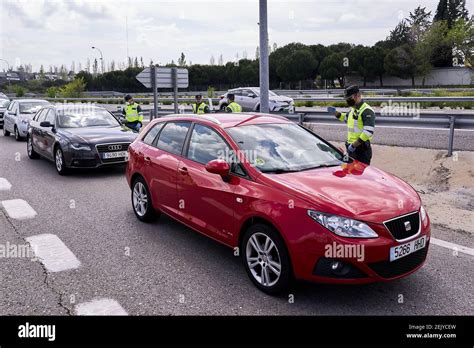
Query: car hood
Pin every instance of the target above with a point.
(353, 190)
(98, 135)
(281, 98)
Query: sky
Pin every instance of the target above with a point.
(55, 32)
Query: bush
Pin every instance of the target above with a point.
(52, 91)
(19, 91)
(211, 91)
(73, 89)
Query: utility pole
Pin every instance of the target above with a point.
(101, 58)
(264, 70)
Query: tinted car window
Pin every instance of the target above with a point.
(31, 107)
(10, 107)
(50, 116)
(42, 115)
(206, 145)
(152, 133)
(172, 137)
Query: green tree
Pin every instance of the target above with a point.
(400, 62)
(52, 91)
(298, 66)
(462, 37)
(332, 68)
(73, 89)
(419, 21)
(19, 91)
(182, 60)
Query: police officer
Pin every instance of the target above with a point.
(360, 125)
(233, 106)
(199, 107)
(133, 114)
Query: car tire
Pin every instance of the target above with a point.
(5, 132)
(266, 262)
(141, 201)
(59, 161)
(30, 150)
(17, 134)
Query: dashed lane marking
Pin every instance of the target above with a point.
(103, 306)
(452, 246)
(4, 185)
(53, 253)
(18, 209)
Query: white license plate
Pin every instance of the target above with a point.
(406, 249)
(119, 154)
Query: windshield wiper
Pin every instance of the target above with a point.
(324, 165)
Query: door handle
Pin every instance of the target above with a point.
(183, 170)
(147, 159)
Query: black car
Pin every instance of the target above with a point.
(78, 136)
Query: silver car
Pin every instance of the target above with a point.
(18, 115)
(249, 99)
(4, 102)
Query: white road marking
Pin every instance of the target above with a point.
(103, 306)
(4, 185)
(53, 253)
(18, 209)
(452, 246)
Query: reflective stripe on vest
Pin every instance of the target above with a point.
(235, 107)
(131, 113)
(355, 129)
(201, 109)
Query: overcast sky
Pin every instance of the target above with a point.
(59, 32)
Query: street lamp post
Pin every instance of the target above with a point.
(8, 68)
(101, 58)
(264, 70)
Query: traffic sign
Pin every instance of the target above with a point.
(164, 77)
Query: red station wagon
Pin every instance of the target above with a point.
(295, 206)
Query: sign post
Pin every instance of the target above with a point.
(158, 77)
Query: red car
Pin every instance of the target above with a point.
(292, 204)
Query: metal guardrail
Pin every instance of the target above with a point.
(303, 99)
(433, 120)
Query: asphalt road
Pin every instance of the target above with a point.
(165, 268)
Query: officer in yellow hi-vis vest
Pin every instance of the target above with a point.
(233, 106)
(199, 107)
(133, 114)
(360, 125)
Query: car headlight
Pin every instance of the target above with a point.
(423, 213)
(80, 147)
(343, 226)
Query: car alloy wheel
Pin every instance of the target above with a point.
(263, 259)
(17, 135)
(59, 160)
(29, 147)
(141, 201)
(266, 259)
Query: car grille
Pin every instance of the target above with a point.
(387, 269)
(114, 147)
(398, 228)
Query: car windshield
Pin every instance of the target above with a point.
(4, 103)
(31, 107)
(280, 148)
(74, 118)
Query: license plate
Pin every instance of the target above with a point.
(118, 154)
(406, 249)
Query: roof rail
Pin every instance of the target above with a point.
(201, 116)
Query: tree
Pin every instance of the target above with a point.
(221, 60)
(419, 21)
(73, 89)
(400, 62)
(401, 35)
(212, 61)
(41, 72)
(360, 63)
(182, 60)
(462, 37)
(448, 11)
(375, 60)
(332, 68)
(297, 66)
(95, 67)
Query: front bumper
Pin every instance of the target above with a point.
(375, 266)
(91, 159)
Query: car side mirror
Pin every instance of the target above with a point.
(219, 167)
(251, 95)
(46, 124)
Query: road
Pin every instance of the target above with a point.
(164, 268)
